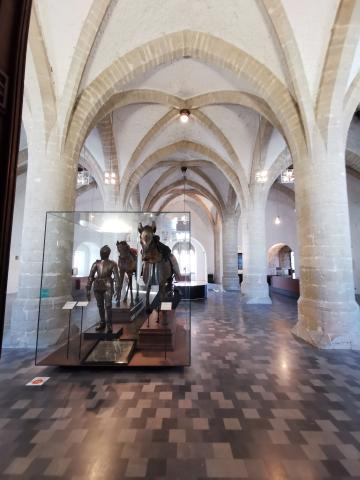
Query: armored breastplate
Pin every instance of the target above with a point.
(104, 268)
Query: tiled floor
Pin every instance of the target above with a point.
(255, 403)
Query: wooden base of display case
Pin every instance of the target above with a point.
(126, 314)
(154, 335)
(154, 345)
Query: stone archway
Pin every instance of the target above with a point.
(279, 259)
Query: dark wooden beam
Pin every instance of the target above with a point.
(14, 26)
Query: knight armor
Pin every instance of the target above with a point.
(104, 277)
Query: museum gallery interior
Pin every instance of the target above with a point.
(180, 239)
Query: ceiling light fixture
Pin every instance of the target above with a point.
(83, 177)
(182, 224)
(184, 115)
(277, 220)
(287, 176)
(183, 171)
(110, 178)
(261, 176)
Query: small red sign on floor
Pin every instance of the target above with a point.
(37, 381)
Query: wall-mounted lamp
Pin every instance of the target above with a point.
(110, 178)
(261, 176)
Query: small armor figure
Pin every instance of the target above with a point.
(104, 274)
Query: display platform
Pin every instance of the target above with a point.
(93, 334)
(161, 355)
(192, 290)
(125, 313)
(155, 335)
(105, 251)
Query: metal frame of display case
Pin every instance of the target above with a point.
(73, 348)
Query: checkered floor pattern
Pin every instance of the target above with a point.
(256, 404)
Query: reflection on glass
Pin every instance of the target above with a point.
(71, 245)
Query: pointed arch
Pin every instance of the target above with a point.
(89, 32)
(168, 49)
(132, 176)
(275, 15)
(217, 202)
(194, 195)
(339, 59)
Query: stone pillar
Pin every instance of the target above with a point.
(230, 251)
(50, 186)
(328, 315)
(254, 286)
(217, 252)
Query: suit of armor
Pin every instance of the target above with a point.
(104, 274)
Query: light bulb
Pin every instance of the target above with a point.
(107, 174)
(107, 181)
(184, 116)
(113, 181)
(113, 175)
(277, 220)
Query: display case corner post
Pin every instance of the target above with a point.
(41, 289)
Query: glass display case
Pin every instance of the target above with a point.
(123, 308)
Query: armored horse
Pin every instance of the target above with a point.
(160, 265)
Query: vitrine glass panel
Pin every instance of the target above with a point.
(110, 319)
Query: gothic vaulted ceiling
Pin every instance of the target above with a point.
(114, 76)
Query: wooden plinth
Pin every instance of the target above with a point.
(155, 336)
(92, 334)
(125, 313)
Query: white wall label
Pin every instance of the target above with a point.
(82, 304)
(166, 306)
(69, 305)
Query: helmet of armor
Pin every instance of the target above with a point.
(105, 252)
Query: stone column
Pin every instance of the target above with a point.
(217, 252)
(328, 315)
(230, 251)
(50, 186)
(254, 286)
